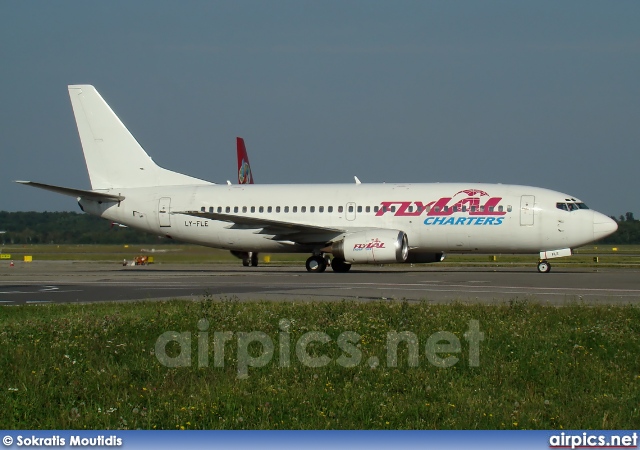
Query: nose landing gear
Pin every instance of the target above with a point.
(544, 266)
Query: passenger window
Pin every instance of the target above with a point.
(437, 209)
(203, 209)
(393, 209)
(473, 209)
(235, 209)
(303, 209)
(509, 208)
(464, 208)
(244, 209)
(500, 208)
(340, 208)
(320, 208)
(376, 209)
(410, 209)
(219, 209)
(286, 209)
(330, 209)
(359, 209)
(253, 209)
(269, 209)
(295, 209)
(367, 209)
(228, 209)
(277, 209)
(261, 209)
(211, 209)
(350, 208)
(454, 208)
(312, 209)
(490, 208)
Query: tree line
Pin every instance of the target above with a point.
(78, 228)
(628, 230)
(67, 228)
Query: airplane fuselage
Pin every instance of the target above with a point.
(442, 217)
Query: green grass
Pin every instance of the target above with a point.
(93, 366)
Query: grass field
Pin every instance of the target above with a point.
(622, 256)
(95, 366)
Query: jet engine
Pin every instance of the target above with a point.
(372, 246)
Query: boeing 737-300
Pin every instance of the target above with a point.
(355, 223)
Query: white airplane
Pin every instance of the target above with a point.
(356, 223)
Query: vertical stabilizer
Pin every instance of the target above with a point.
(244, 168)
(113, 156)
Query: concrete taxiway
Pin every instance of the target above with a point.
(70, 282)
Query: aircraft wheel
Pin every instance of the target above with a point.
(339, 265)
(246, 261)
(254, 259)
(315, 264)
(544, 267)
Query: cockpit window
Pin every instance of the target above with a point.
(571, 206)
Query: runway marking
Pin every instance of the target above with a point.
(38, 301)
(426, 285)
(49, 288)
(56, 291)
(513, 287)
(577, 294)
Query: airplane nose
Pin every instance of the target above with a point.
(603, 226)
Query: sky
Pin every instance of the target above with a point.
(540, 93)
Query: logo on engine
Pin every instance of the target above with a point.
(375, 243)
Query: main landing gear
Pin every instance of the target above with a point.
(339, 265)
(319, 263)
(250, 259)
(544, 266)
(316, 264)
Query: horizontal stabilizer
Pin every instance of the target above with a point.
(89, 195)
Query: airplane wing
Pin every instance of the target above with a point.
(281, 230)
(89, 195)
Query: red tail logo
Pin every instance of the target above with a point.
(244, 169)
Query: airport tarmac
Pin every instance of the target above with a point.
(71, 282)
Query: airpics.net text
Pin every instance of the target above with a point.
(174, 349)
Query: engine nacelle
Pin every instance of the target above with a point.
(373, 246)
(421, 258)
